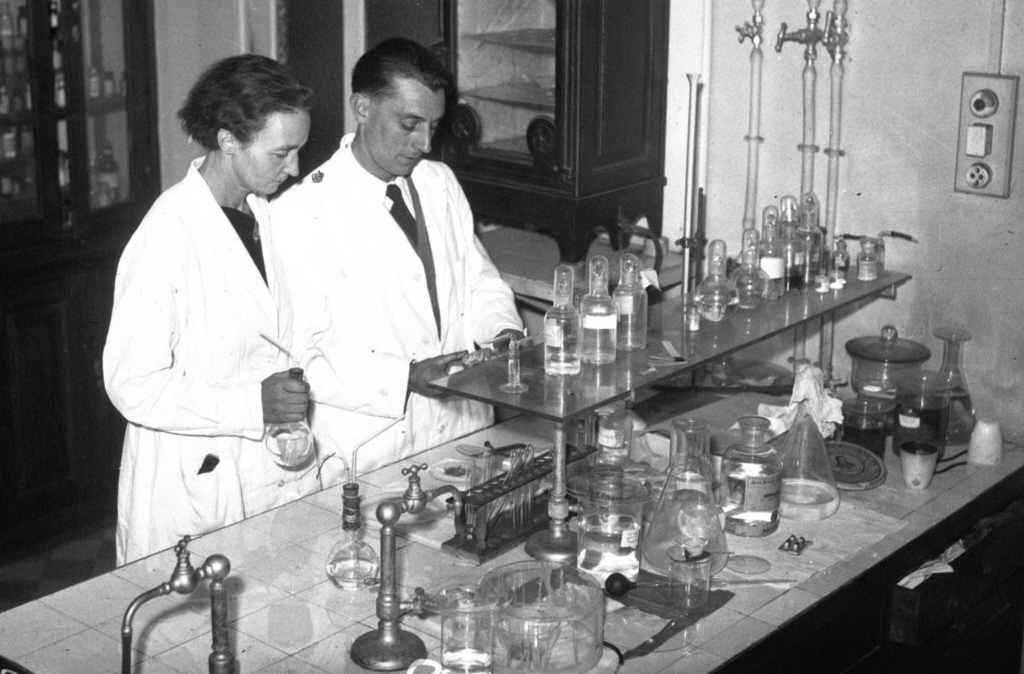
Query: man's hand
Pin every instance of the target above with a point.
(422, 372)
(514, 335)
(284, 399)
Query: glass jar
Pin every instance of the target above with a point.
(751, 482)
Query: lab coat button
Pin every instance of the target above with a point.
(417, 277)
(280, 483)
(383, 392)
(441, 427)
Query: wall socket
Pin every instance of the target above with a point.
(984, 150)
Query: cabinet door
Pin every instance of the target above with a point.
(506, 59)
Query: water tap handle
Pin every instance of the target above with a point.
(414, 498)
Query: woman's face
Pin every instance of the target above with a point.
(273, 154)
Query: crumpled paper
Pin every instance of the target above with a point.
(941, 564)
(808, 387)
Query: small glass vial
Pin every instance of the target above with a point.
(291, 444)
(351, 563)
(716, 292)
(867, 260)
(792, 245)
(631, 301)
(562, 327)
(810, 234)
(598, 316)
(751, 281)
(840, 264)
(751, 482)
(771, 260)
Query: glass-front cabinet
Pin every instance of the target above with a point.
(78, 170)
(76, 151)
(559, 122)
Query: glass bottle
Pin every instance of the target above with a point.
(751, 482)
(751, 281)
(771, 260)
(840, 263)
(962, 417)
(291, 443)
(108, 173)
(7, 30)
(631, 301)
(687, 510)
(598, 316)
(867, 260)
(716, 292)
(562, 327)
(809, 489)
(352, 563)
(792, 246)
(614, 434)
(809, 232)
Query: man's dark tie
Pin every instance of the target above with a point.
(400, 212)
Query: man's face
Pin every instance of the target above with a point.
(396, 130)
(273, 154)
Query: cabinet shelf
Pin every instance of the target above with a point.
(542, 40)
(523, 94)
(105, 106)
(563, 398)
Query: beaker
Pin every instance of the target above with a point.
(687, 507)
(551, 617)
(611, 511)
(922, 408)
(961, 408)
(467, 628)
(809, 489)
(868, 422)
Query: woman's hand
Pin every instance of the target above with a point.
(284, 399)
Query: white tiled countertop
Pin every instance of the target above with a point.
(287, 617)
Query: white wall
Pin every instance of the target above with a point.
(900, 116)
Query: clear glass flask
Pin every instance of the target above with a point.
(614, 434)
(598, 316)
(291, 443)
(562, 326)
(751, 281)
(809, 489)
(631, 301)
(771, 259)
(962, 417)
(751, 482)
(352, 563)
(687, 511)
(716, 292)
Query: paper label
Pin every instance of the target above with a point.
(553, 335)
(624, 303)
(630, 538)
(603, 322)
(909, 422)
(775, 267)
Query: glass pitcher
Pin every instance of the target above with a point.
(687, 513)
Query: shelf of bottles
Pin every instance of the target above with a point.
(18, 168)
(105, 94)
(505, 70)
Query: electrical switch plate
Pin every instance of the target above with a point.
(984, 152)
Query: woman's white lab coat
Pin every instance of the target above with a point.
(183, 363)
(362, 311)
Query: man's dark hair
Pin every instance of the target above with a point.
(394, 58)
(238, 94)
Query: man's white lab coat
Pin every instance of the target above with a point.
(183, 363)
(362, 311)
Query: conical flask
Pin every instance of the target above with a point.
(688, 513)
(961, 408)
(808, 487)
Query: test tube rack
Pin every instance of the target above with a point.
(486, 534)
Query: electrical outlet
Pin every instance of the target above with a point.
(984, 151)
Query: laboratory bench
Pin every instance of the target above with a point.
(844, 613)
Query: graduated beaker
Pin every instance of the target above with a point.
(922, 408)
(687, 509)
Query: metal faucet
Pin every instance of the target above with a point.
(809, 36)
(389, 648)
(185, 579)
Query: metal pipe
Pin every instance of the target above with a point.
(836, 36)
(754, 30)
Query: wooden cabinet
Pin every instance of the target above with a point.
(560, 119)
(78, 170)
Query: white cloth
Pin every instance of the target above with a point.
(183, 363)
(362, 311)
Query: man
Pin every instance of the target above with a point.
(382, 310)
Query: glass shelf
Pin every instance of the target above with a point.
(517, 93)
(562, 398)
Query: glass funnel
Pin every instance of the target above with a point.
(808, 487)
(961, 409)
(687, 512)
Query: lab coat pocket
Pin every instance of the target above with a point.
(210, 486)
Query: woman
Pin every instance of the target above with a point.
(184, 361)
